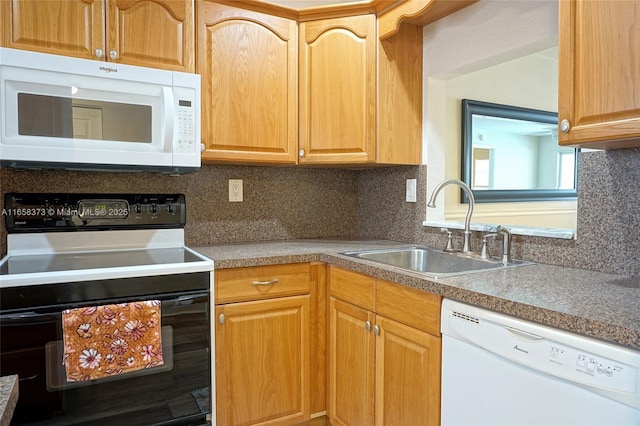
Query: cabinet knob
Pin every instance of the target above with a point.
(565, 126)
(203, 148)
(221, 318)
(301, 153)
(99, 53)
(367, 325)
(113, 55)
(376, 330)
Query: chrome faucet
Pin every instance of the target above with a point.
(503, 232)
(466, 248)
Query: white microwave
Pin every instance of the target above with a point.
(81, 114)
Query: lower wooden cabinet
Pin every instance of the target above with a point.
(279, 329)
(264, 344)
(407, 375)
(262, 361)
(382, 370)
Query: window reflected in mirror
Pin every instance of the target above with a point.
(512, 154)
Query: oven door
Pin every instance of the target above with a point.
(176, 393)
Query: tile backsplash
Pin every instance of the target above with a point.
(293, 202)
(279, 203)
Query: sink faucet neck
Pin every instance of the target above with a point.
(467, 222)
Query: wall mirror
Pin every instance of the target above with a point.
(511, 153)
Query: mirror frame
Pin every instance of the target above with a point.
(471, 107)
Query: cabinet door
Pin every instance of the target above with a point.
(351, 364)
(262, 362)
(248, 63)
(407, 375)
(63, 27)
(338, 90)
(152, 33)
(599, 73)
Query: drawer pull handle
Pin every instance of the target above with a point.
(273, 281)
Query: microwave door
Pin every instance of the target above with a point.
(82, 119)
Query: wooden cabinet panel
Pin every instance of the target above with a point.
(338, 90)
(248, 62)
(63, 27)
(261, 282)
(599, 74)
(352, 287)
(262, 362)
(351, 367)
(156, 33)
(392, 300)
(399, 117)
(408, 363)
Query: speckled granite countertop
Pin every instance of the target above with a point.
(8, 398)
(599, 305)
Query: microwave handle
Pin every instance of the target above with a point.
(169, 117)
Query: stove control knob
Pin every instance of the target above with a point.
(171, 208)
(137, 208)
(154, 208)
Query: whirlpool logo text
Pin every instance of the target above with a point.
(108, 69)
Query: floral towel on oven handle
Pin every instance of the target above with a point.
(103, 341)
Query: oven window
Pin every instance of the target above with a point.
(61, 117)
(174, 393)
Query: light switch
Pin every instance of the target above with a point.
(411, 190)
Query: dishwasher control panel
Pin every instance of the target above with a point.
(591, 369)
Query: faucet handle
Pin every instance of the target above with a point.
(449, 246)
(484, 253)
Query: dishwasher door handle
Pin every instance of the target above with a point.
(523, 335)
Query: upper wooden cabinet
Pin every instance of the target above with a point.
(248, 62)
(599, 74)
(320, 92)
(360, 98)
(338, 90)
(153, 33)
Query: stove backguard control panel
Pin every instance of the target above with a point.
(38, 212)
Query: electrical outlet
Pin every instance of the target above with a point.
(411, 190)
(235, 190)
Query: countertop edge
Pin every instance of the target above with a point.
(447, 287)
(8, 398)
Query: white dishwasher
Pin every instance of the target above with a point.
(499, 370)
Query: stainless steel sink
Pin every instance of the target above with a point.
(432, 262)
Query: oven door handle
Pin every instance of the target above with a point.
(188, 300)
(26, 316)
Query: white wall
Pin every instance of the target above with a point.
(493, 51)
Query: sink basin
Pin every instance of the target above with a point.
(432, 262)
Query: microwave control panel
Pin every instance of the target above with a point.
(186, 121)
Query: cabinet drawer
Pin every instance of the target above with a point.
(261, 282)
(409, 306)
(351, 287)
